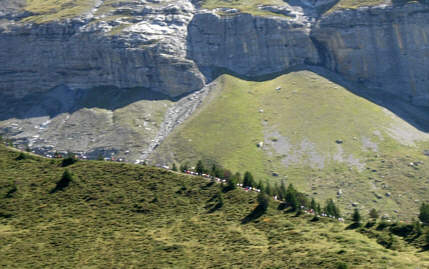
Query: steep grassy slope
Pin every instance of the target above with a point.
(316, 134)
(125, 216)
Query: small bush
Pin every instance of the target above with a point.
(68, 161)
(22, 156)
(342, 265)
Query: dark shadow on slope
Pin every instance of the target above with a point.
(353, 226)
(62, 99)
(255, 214)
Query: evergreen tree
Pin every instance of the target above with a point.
(213, 170)
(219, 172)
(313, 204)
(261, 186)
(238, 177)
(268, 189)
(291, 199)
(282, 190)
(318, 209)
(424, 213)
(174, 168)
(248, 180)
(302, 199)
(373, 214)
(331, 209)
(276, 190)
(356, 218)
(232, 183)
(263, 201)
(184, 167)
(199, 168)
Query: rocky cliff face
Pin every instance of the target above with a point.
(386, 48)
(83, 53)
(173, 48)
(248, 45)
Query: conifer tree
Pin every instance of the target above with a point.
(268, 189)
(248, 180)
(356, 218)
(291, 199)
(373, 214)
(232, 183)
(263, 201)
(313, 204)
(199, 168)
(424, 213)
(282, 190)
(238, 177)
(318, 209)
(331, 209)
(213, 170)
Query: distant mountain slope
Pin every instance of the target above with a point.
(310, 131)
(119, 215)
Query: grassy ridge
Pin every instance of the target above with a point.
(299, 125)
(50, 10)
(252, 6)
(118, 215)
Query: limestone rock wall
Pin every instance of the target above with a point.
(386, 48)
(248, 45)
(83, 54)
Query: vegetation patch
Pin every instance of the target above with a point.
(122, 215)
(53, 10)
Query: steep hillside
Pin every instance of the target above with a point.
(310, 131)
(119, 215)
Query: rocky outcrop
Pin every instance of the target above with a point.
(385, 48)
(82, 54)
(248, 45)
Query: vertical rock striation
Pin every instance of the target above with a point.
(385, 48)
(248, 45)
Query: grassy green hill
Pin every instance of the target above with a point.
(316, 134)
(115, 215)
